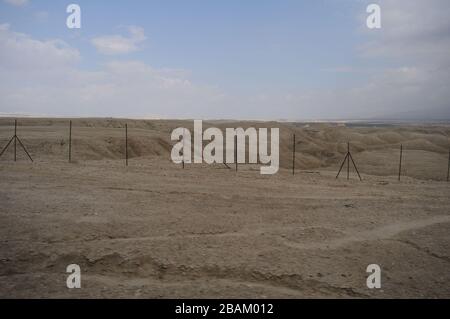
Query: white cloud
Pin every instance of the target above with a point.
(21, 52)
(415, 35)
(118, 44)
(415, 31)
(18, 3)
(43, 77)
(415, 41)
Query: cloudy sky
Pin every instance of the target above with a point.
(312, 59)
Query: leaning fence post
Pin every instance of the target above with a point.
(348, 157)
(400, 162)
(16, 139)
(348, 161)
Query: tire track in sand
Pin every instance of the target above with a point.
(380, 233)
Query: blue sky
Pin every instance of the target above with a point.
(297, 58)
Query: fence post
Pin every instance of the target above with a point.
(400, 162)
(184, 136)
(448, 166)
(126, 144)
(293, 157)
(70, 141)
(15, 140)
(348, 161)
(235, 152)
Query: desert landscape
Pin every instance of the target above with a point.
(155, 230)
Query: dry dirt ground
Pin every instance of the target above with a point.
(154, 230)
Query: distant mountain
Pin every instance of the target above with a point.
(424, 114)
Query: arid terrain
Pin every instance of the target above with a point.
(156, 230)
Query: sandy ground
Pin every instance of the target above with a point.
(154, 230)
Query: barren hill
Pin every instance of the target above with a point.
(375, 148)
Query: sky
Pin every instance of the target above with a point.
(264, 60)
